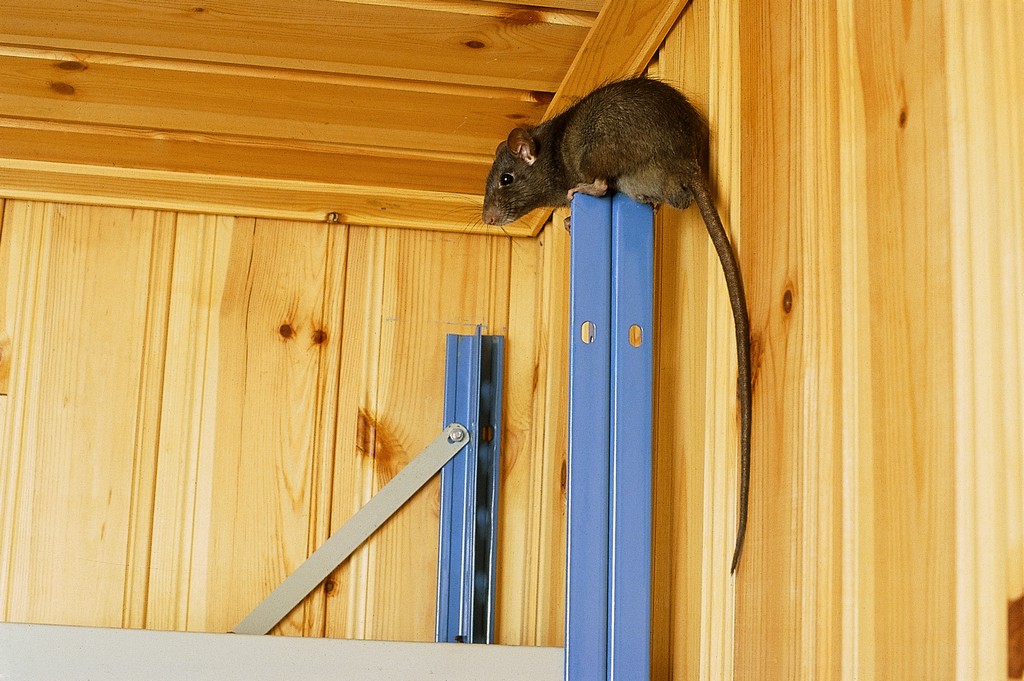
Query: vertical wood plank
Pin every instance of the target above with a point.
(357, 430)
(329, 393)
(148, 419)
(858, 653)
(685, 268)
(903, 219)
(21, 255)
(531, 600)
(1010, 73)
(789, 597)
(5, 325)
(724, 90)
(180, 537)
(78, 347)
(984, 141)
(5, 353)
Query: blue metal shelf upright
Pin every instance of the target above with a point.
(608, 591)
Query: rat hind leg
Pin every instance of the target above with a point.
(654, 186)
(665, 184)
(681, 197)
(680, 182)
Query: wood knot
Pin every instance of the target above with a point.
(319, 336)
(563, 477)
(375, 442)
(474, 44)
(902, 121)
(787, 301)
(286, 331)
(62, 88)
(1015, 629)
(71, 66)
(522, 17)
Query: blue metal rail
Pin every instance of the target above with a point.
(588, 474)
(467, 558)
(608, 592)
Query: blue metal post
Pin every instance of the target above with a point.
(608, 599)
(632, 366)
(588, 467)
(467, 553)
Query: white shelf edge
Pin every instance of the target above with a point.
(40, 651)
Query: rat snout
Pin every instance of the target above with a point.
(492, 216)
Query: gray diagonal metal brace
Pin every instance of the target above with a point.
(352, 534)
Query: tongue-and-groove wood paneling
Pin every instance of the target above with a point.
(193, 403)
(177, 388)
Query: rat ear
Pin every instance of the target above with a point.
(522, 144)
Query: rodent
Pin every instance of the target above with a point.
(642, 137)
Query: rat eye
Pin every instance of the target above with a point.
(506, 179)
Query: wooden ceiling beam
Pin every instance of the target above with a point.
(621, 44)
(249, 196)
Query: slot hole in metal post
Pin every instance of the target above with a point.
(587, 332)
(636, 335)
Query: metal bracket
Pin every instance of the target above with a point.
(468, 547)
(358, 529)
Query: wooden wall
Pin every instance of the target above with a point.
(191, 403)
(870, 162)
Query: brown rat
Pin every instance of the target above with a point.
(644, 138)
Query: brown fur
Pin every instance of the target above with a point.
(644, 138)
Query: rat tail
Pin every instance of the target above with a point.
(738, 300)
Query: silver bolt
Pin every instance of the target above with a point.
(458, 434)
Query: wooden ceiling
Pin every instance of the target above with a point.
(361, 112)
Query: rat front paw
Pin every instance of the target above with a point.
(598, 187)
